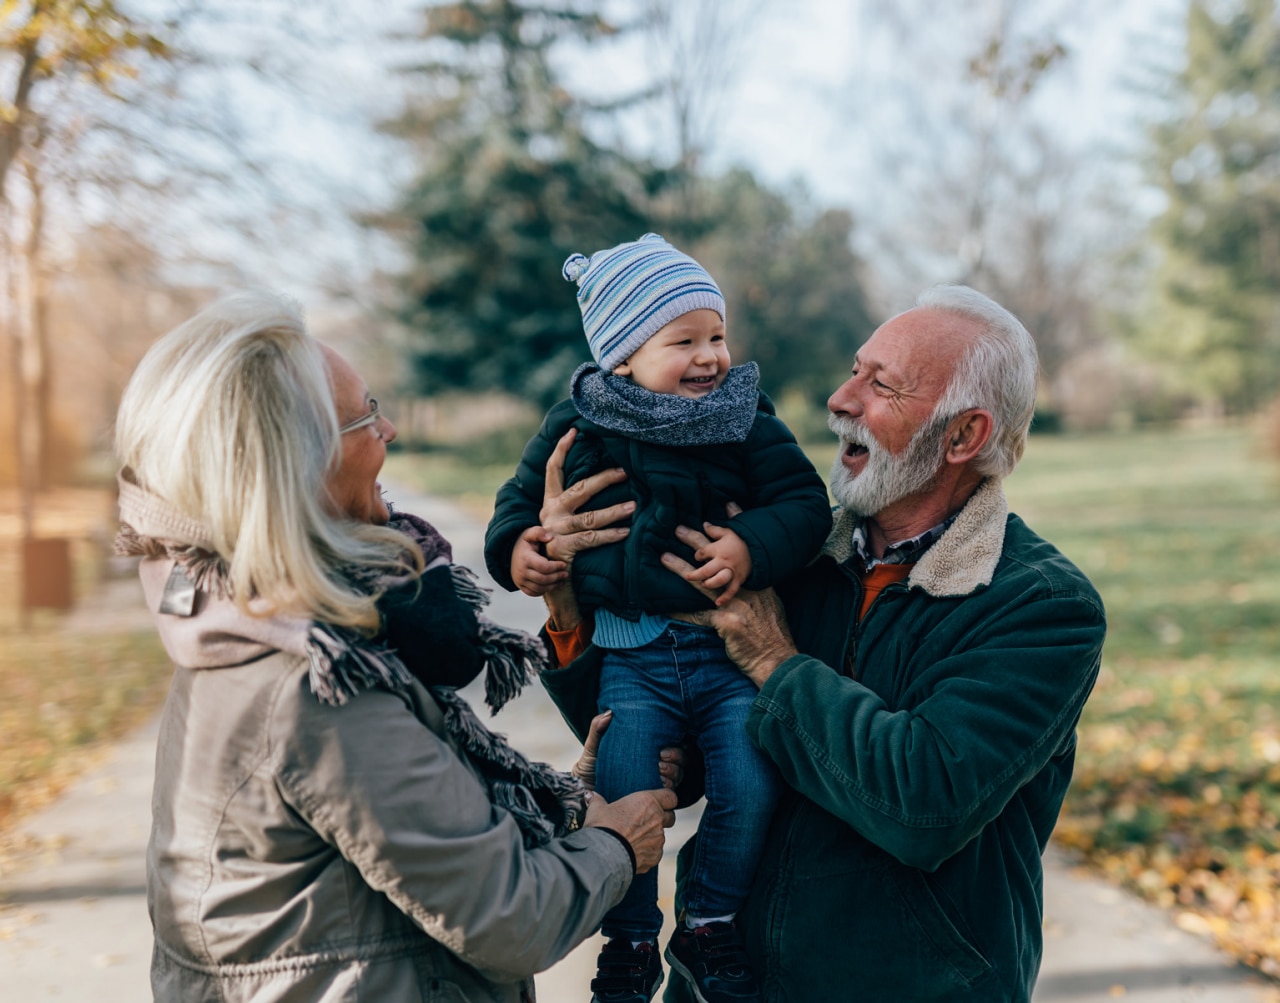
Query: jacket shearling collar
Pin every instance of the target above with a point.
(963, 559)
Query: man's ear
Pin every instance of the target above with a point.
(967, 434)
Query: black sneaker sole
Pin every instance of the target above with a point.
(656, 986)
(676, 966)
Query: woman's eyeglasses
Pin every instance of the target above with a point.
(365, 419)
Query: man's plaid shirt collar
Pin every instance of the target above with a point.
(902, 552)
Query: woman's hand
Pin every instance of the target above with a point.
(670, 761)
(585, 768)
(638, 818)
(565, 532)
(671, 767)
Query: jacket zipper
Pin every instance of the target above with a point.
(849, 654)
(631, 545)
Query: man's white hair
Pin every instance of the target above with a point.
(230, 418)
(998, 373)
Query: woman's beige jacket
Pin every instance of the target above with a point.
(305, 852)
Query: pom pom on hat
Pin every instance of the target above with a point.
(575, 265)
(630, 292)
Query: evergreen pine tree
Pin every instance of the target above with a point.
(510, 185)
(1216, 315)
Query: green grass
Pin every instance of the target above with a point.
(1177, 785)
(1179, 531)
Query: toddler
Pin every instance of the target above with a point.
(693, 434)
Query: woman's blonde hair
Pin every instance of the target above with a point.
(230, 419)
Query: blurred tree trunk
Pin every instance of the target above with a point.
(123, 117)
(39, 387)
(46, 40)
(694, 48)
(13, 124)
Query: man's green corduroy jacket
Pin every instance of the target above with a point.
(904, 863)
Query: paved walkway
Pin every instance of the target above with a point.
(73, 919)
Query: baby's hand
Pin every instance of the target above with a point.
(531, 570)
(724, 563)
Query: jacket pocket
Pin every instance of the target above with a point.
(928, 915)
(862, 929)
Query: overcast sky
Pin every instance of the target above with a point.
(813, 74)
(815, 89)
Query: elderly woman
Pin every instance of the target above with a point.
(331, 821)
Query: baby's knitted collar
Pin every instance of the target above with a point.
(616, 403)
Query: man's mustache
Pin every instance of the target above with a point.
(851, 430)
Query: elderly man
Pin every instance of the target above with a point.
(920, 683)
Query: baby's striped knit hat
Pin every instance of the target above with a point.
(630, 292)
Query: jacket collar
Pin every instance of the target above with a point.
(962, 560)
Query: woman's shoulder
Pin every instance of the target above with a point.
(323, 740)
(306, 702)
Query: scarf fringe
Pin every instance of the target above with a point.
(538, 819)
(206, 570)
(343, 663)
(512, 658)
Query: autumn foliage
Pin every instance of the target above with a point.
(1177, 796)
(1177, 782)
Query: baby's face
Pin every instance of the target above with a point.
(689, 357)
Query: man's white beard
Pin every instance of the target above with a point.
(887, 477)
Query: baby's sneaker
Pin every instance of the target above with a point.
(714, 961)
(626, 974)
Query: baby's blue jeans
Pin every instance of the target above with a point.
(682, 683)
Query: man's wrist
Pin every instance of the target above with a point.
(563, 612)
(766, 665)
(568, 644)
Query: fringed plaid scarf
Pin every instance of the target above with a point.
(343, 662)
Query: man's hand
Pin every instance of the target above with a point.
(546, 551)
(565, 530)
(753, 624)
(724, 563)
